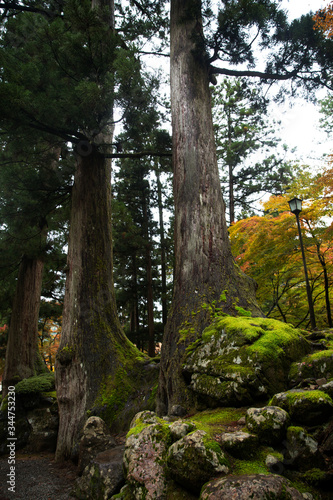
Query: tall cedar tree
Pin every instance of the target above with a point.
(72, 63)
(32, 193)
(206, 277)
(242, 128)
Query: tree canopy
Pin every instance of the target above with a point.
(267, 248)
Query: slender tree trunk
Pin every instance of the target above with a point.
(230, 171)
(163, 257)
(22, 346)
(205, 273)
(322, 261)
(135, 323)
(150, 298)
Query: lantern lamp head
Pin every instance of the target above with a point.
(295, 205)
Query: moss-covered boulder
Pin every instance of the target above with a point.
(301, 450)
(269, 423)
(102, 477)
(145, 453)
(241, 360)
(328, 388)
(194, 459)
(305, 407)
(312, 366)
(36, 415)
(258, 486)
(239, 444)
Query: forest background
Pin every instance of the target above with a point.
(37, 185)
(143, 206)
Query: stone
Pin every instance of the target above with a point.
(144, 417)
(239, 361)
(179, 429)
(44, 430)
(317, 365)
(194, 459)
(321, 381)
(239, 444)
(95, 439)
(328, 388)
(305, 407)
(177, 411)
(274, 463)
(269, 423)
(301, 450)
(145, 451)
(255, 486)
(103, 477)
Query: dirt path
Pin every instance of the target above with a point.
(37, 477)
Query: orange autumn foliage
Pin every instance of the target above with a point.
(324, 20)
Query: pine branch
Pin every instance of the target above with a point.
(8, 6)
(139, 154)
(258, 74)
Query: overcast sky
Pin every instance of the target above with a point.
(300, 124)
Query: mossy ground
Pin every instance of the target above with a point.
(256, 465)
(216, 421)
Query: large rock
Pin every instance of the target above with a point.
(305, 407)
(301, 450)
(102, 477)
(239, 444)
(256, 486)
(241, 360)
(194, 459)
(44, 424)
(313, 366)
(269, 423)
(36, 417)
(95, 439)
(145, 452)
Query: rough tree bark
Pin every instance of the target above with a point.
(22, 346)
(93, 346)
(206, 276)
(91, 337)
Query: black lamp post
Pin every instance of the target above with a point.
(296, 207)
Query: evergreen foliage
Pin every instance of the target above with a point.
(243, 134)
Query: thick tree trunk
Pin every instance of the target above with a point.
(22, 346)
(206, 277)
(91, 336)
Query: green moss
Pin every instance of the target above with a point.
(215, 421)
(313, 396)
(243, 312)
(314, 476)
(137, 429)
(214, 448)
(121, 393)
(65, 355)
(50, 394)
(321, 354)
(257, 464)
(40, 383)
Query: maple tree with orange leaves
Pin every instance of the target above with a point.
(267, 248)
(324, 20)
